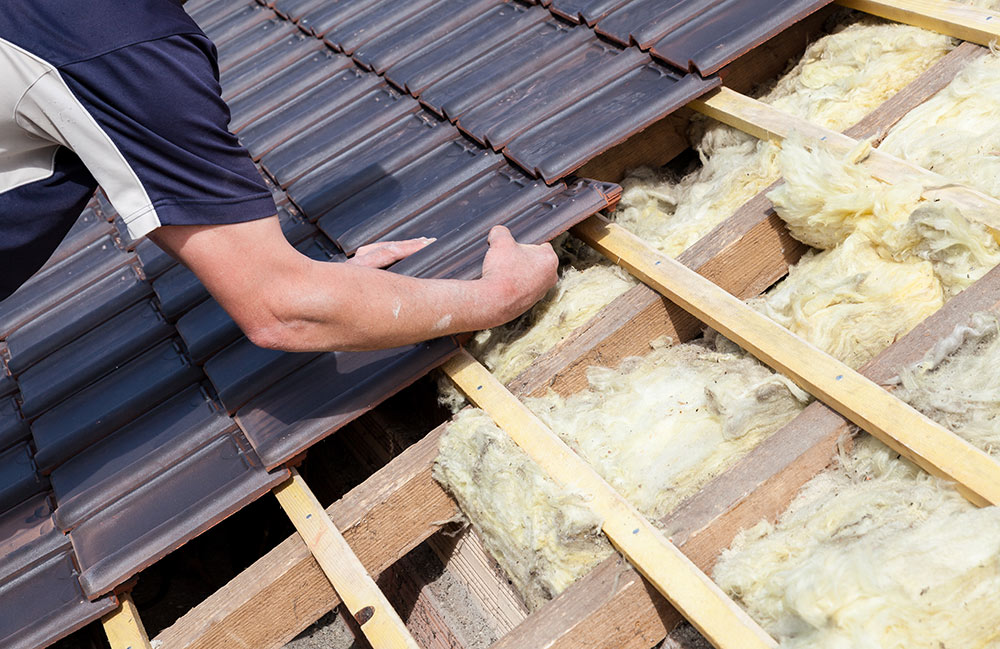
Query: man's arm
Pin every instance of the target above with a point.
(281, 299)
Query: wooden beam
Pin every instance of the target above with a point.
(767, 123)
(689, 590)
(123, 626)
(922, 441)
(962, 21)
(355, 587)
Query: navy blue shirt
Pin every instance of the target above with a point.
(118, 93)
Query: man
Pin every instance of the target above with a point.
(124, 94)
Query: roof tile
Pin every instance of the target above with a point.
(329, 392)
(40, 597)
(368, 161)
(101, 408)
(491, 29)
(173, 507)
(562, 143)
(91, 356)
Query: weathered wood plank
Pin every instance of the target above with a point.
(355, 588)
(379, 435)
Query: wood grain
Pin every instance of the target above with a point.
(943, 16)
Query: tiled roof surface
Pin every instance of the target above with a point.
(133, 412)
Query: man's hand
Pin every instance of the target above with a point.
(386, 253)
(518, 274)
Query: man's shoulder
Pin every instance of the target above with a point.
(66, 31)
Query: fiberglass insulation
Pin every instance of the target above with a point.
(887, 258)
(876, 554)
(657, 429)
(840, 79)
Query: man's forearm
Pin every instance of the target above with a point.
(339, 306)
(284, 300)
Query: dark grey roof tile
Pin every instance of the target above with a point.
(136, 453)
(404, 38)
(13, 427)
(564, 142)
(491, 198)
(348, 35)
(363, 117)
(268, 64)
(503, 66)
(368, 161)
(271, 94)
(40, 597)
(91, 356)
(55, 286)
(105, 406)
(305, 113)
(177, 290)
(405, 192)
(173, 507)
(727, 29)
(559, 85)
(329, 392)
(18, 478)
(491, 29)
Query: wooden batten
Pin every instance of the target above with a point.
(359, 593)
(123, 626)
(963, 21)
(400, 505)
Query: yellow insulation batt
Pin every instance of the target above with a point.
(875, 553)
(578, 296)
(955, 132)
(888, 258)
(841, 78)
(658, 428)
